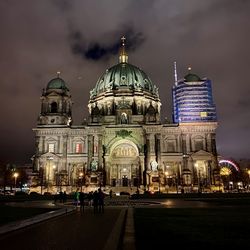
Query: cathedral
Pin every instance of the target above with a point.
(123, 145)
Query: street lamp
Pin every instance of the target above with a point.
(15, 175)
(231, 185)
(248, 171)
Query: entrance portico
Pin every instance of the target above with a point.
(123, 169)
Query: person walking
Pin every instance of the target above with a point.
(76, 198)
(81, 199)
(90, 198)
(61, 196)
(64, 196)
(110, 193)
(100, 201)
(55, 198)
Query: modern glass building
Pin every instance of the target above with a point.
(193, 100)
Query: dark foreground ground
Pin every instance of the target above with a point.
(10, 213)
(74, 231)
(224, 225)
(207, 222)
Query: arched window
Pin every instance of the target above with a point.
(51, 147)
(79, 148)
(53, 107)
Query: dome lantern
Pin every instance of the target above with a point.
(123, 58)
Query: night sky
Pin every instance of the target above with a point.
(81, 38)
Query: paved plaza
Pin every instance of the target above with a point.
(72, 231)
(111, 230)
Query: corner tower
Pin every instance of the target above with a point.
(56, 104)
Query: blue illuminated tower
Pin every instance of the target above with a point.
(193, 100)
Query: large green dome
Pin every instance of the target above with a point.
(124, 76)
(57, 83)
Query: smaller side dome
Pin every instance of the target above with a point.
(57, 83)
(190, 77)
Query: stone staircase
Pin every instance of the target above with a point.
(118, 190)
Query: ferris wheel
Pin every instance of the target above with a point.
(228, 167)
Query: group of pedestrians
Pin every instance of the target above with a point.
(62, 197)
(95, 199)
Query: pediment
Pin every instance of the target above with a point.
(202, 154)
(53, 93)
(50, 155)
(51, 139)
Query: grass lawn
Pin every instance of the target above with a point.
(192, 228)
(9, 213)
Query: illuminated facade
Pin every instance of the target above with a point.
(123, 145)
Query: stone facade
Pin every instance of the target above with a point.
(123, 145)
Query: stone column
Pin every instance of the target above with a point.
(188, 143)
(100, 152)
(140, 170)
(64, 152)
(60, 109)
(107, 169)
(58, 144)
(158, 149)
(43, 144)
(209, 146)
(208, 172)
(65, 137)
(148, 149)
(190, 163)
(179, 174)
(213, 145)
(37, 143)
(184, 144)
(179, 144)
(152, 146)
(90, 149)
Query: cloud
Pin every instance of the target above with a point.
(98, 50)
(63, 5)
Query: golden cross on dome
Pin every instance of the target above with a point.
(123, 39)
